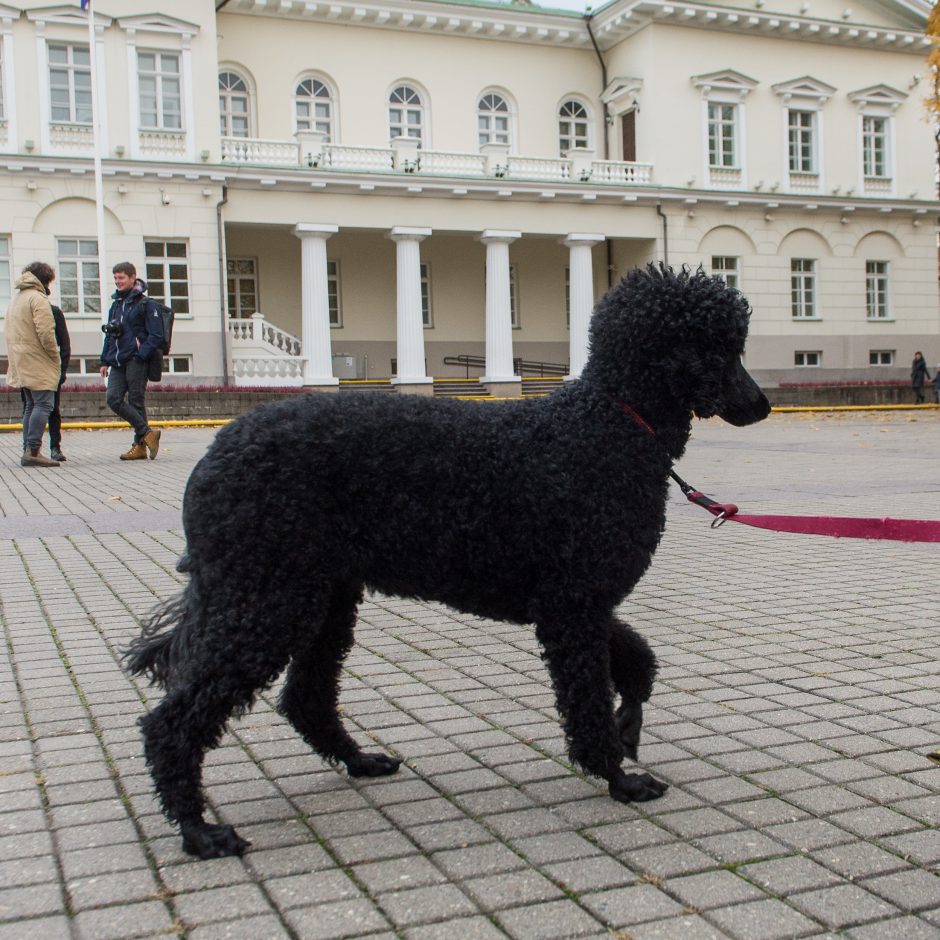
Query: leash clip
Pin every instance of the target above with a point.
(719, 520)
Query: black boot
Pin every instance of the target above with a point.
(55, 452)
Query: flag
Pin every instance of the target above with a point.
(86, 4)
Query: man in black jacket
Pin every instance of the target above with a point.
(133, 334)
(65, 354)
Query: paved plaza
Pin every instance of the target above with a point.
(798, 699)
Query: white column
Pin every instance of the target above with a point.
(410, 332)
(498, 307)
(315, 304)
(580, 296)
(133, 92)
(189, 110)
(13, 138)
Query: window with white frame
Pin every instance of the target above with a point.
(161, 90)
(333, 294)
(727, 268)
(167, 268)
(573, 126)
(234, 105)
(807, 358)
(83, 365)
(406, 113)
(427, 317)
(568, 297)
(876, 290)
(69, 83)
(722, 134)
(881, 357)
(801, 127)
(803, 288)
(177, 365)
(3, 113)
(6, 281)
(313, 107)
(493, 119)
(78, 276)
(514, 298)
(875, 146)
(242, 276)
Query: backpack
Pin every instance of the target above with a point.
(155, 365)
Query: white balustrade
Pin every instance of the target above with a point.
(253, 150)
(614, 171)
(878, 184)
(804, 182)
(452, 164)
(162, 143)
(71, 136)
(724, 178)
(257, 332)
(338, 157)
(268, 371)
(538, 168)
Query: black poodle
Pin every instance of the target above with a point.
(541, 511)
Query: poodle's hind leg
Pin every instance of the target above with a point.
(214, 684)
(310, 696)
(577, 653)
(632, 669)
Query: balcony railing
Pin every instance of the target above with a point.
(578, 165)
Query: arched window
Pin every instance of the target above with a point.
(405, 113)
(313, 107)
(493, 119)
(573, 122)
(234, 106)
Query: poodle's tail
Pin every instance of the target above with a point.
(166, 637)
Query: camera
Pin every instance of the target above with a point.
(112, 329)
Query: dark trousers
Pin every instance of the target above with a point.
(127, 386)
(55, 419)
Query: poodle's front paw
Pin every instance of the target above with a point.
(372, 765)
(205, 840)
(629, 721)
(635, 788)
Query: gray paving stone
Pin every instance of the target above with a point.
(623, 907)
(48, 928)
(511, 889)
(477, 860)
(426, 905)
(913, 890)
(552, 920)
(713, 889)
(785, 876)
(770, 920)
(30, 901)
(264, 927)
(123, 921)
(910, 928)
(338, 919)
(467, 928)
(842, 905)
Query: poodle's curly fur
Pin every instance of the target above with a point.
(541, 511)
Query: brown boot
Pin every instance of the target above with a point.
(152, 440)
(33, 458)
(137, 452)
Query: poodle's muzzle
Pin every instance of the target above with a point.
(740, 400)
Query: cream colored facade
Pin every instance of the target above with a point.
(782, 143)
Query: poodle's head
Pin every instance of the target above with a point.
(667, 338)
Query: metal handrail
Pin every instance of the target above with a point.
(519, 366)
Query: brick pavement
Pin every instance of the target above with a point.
(797, 699)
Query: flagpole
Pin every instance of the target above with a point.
(103, 282)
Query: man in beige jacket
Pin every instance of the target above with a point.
(34, 356)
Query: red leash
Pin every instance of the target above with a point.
(846, 527)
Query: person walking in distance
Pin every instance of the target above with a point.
(63, 341)
(34, 363)
(918, 377)
(132, 335)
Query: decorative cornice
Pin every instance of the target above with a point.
(67, 15)
(157, 23)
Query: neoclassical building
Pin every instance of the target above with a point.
(408, 190)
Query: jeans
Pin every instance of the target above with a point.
(36, 412)
(55, 420)
(125, 397)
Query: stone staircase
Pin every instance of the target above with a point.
(456, 388)
(540, 386)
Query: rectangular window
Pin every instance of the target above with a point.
(807, 359)
(803, 288)
(426, 312)
(726, 267)
(242, 287)
(78, 277)
(514, 298)
(6, 282)
(568, 298)
(158, 76)
(167, 268)
(875, 146)
(802, 127)
(881, 357)
(876, 290)
(69, 84)
(722, 133)
(177, 365)
(83, 365)
(332, 293)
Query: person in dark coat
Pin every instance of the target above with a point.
(64, 342)
(919, 376)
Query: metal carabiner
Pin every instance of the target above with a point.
(719, 520)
